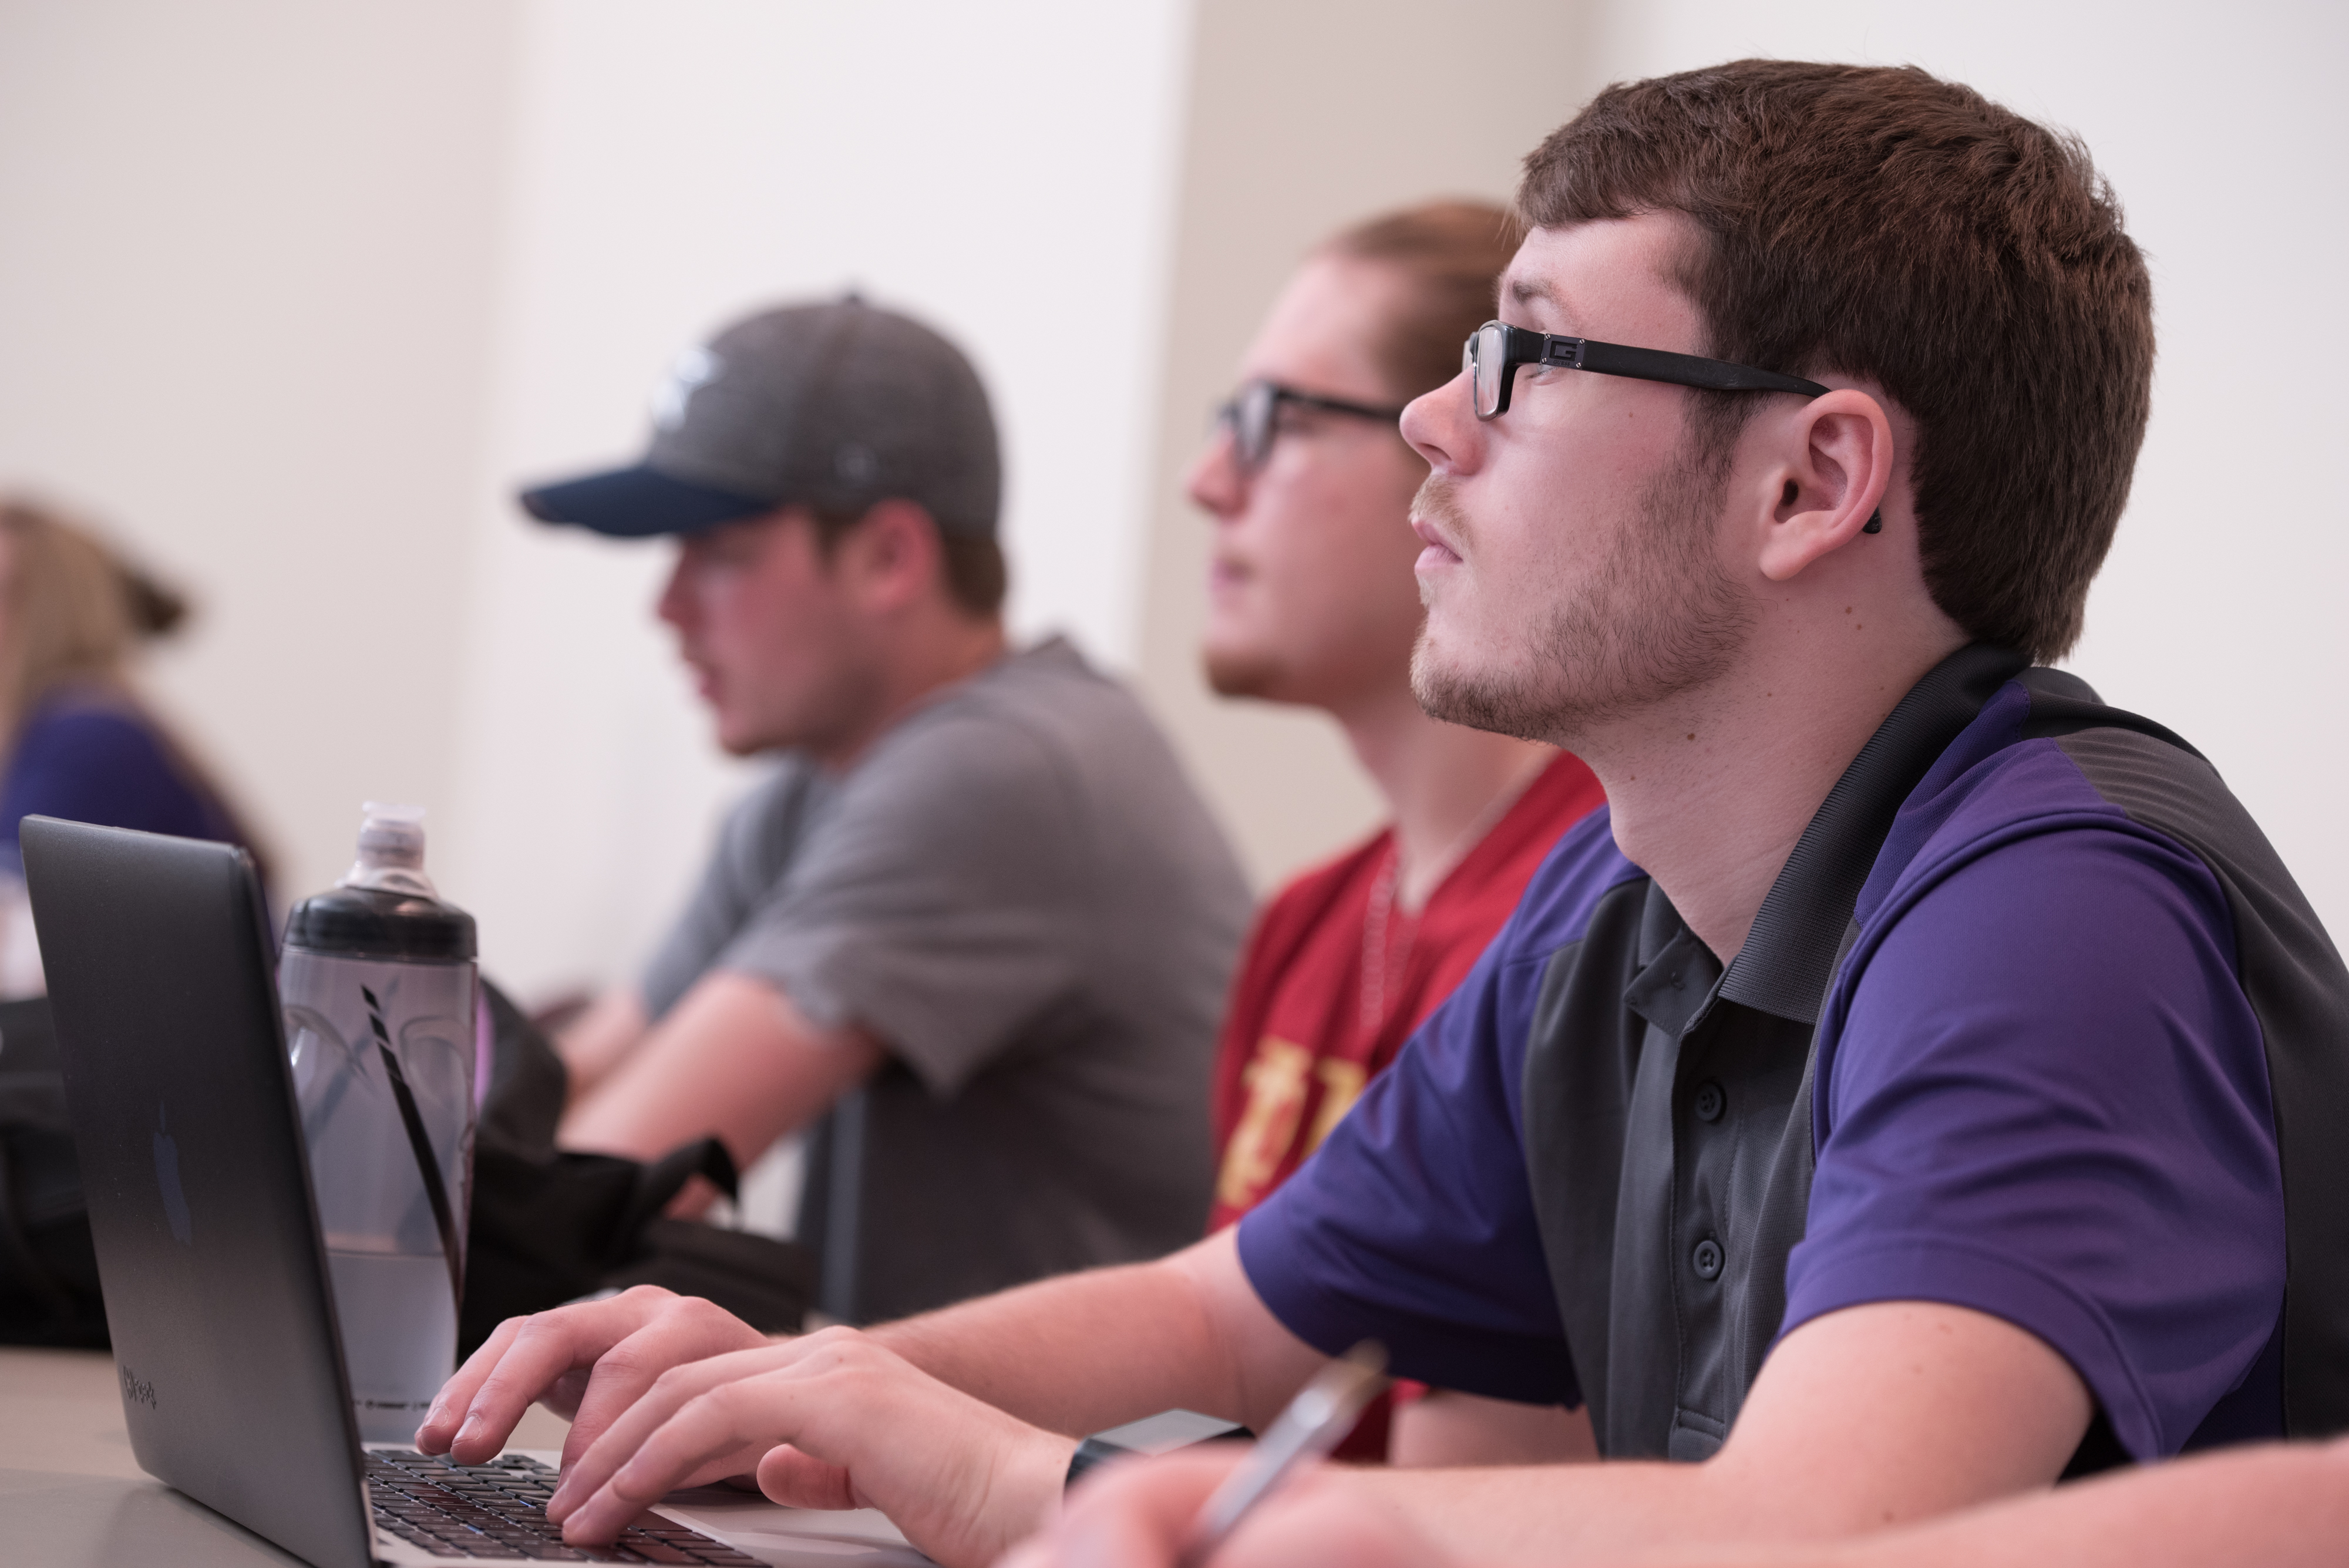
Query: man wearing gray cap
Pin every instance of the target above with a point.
(977, 915)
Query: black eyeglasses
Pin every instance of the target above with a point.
(1252, 415)
(1495, 350)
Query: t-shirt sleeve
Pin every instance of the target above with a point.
(1412, 1223)
(940, 903)
(2048, 1102)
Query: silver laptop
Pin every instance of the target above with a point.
(159, 960)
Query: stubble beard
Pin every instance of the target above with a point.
(1659, 617)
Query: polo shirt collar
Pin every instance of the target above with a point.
(1790, 954)
(1678, 973)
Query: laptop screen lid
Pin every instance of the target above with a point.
(159, 960)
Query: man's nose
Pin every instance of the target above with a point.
(1215, 484)
(1441, 427)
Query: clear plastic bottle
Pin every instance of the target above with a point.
(378, 984)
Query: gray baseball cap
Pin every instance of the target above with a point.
(835, 405)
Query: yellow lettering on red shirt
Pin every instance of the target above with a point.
(1275, 1081)
(1341, 1086)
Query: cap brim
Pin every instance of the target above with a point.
(640, 503)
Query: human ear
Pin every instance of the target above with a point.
(896, 552)
(1830, 483)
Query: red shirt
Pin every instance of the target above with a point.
(1335, 978)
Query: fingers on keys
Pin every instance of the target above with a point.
(521, 1361)
(715, 1417)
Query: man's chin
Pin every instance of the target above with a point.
(738, 739)
(1232, 673)
(1476, 700)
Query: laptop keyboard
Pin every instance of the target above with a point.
(498, 1510)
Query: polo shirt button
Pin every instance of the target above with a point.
(1711, 1101)
(1707, 1259)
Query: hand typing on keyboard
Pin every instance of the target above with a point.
(667, 1391)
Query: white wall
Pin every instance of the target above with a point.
(246, 268)
(2222, 128)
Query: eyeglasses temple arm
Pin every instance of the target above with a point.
(1681, 370)
(1336, 405)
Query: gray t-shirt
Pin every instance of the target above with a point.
(1019, 892)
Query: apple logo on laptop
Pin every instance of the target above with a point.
(167, 1176)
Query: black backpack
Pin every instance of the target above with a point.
(547, 1225)
(48, 1273)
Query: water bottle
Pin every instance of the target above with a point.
(378, 986)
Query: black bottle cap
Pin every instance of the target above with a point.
(365, 922)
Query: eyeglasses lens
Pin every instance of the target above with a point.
(1489, 364)
(1252, 411)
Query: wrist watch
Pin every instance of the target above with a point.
(1159, 1434)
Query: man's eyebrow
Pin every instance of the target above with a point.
(1525, 290)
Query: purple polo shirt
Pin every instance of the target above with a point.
(2035, 1086)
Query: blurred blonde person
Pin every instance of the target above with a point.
(79, 742)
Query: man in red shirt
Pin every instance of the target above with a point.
(1311, 600)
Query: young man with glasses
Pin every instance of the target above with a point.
(1311, 602)
(1921, 1083)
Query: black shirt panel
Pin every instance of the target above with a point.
(1671, 1173)
(2295, 983)
(1747, 1190)
(2063, 704)
(1582, 1056)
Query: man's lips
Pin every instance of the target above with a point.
(1439, 550)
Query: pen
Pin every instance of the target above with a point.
(1316, 1421)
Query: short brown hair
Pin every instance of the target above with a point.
(1451, 252)
(1878, 222)
(971, 565)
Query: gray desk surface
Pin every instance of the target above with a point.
(71, 1494)
(72, 1497)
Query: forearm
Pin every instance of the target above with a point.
(1548, 1514)
(733, 1059)
(2281, 1506)
(1084, 1352)
(1445, 1428)
(1875, 1416)
(1738, 1507)
(600, 1039)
